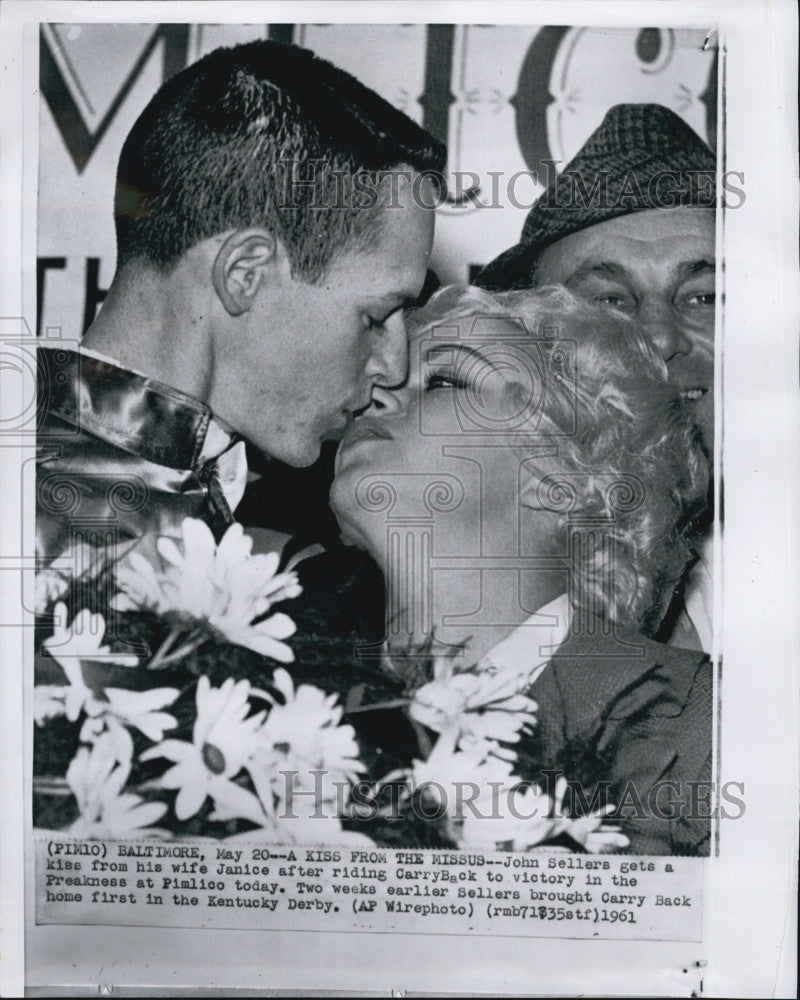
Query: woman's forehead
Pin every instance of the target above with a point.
(478, 336)
(593, 330)
(469, 328)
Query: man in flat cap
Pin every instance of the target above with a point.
(630, 224)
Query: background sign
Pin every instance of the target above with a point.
(507, 100)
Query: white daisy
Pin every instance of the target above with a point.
(521, 817)
(483, 708)
(515, 819)
(120, 709)
(452, 774)
(222, 587)
(595, 836)
(69, 645)
(97, 780)
(299, 739)
(306, 822)
(79, 561)
(223, 739)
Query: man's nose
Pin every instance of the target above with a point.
(386, 402)
(389, 361)
(664, 329)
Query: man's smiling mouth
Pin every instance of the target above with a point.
(692, 395)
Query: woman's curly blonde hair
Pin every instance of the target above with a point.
(630, 477)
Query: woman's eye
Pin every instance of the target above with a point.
(439, 380)
(370, 323)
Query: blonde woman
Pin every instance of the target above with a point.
(529, 495)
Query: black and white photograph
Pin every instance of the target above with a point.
(378, 532)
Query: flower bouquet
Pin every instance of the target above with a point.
(169, 703)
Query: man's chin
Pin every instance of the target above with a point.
(301, 456)
(305, 462)
(699, 403)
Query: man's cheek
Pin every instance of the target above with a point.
(701, 334)
(701, 356)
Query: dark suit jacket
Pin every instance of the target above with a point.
(637, 714)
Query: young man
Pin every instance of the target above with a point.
(630, 224)
(273, 216)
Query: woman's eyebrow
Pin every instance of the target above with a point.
(449, 349)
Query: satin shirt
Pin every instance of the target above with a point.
(121, 455)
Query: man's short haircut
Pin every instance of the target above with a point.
(228, 142)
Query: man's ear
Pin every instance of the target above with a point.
(243, 264)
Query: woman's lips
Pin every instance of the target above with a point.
(361, 430)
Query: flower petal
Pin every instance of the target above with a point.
(175, 750)
(233, 802)
(153, 724)
(189, 800)
(279, 626)
(170, 551)
(267, 646)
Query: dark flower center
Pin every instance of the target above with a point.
(213, 758)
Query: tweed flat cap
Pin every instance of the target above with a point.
(642, 156)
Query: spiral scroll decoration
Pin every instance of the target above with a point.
(557, 493)
(124, 496)
(624, 494)
(375, 495)
(443, 495)
(58, 494)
